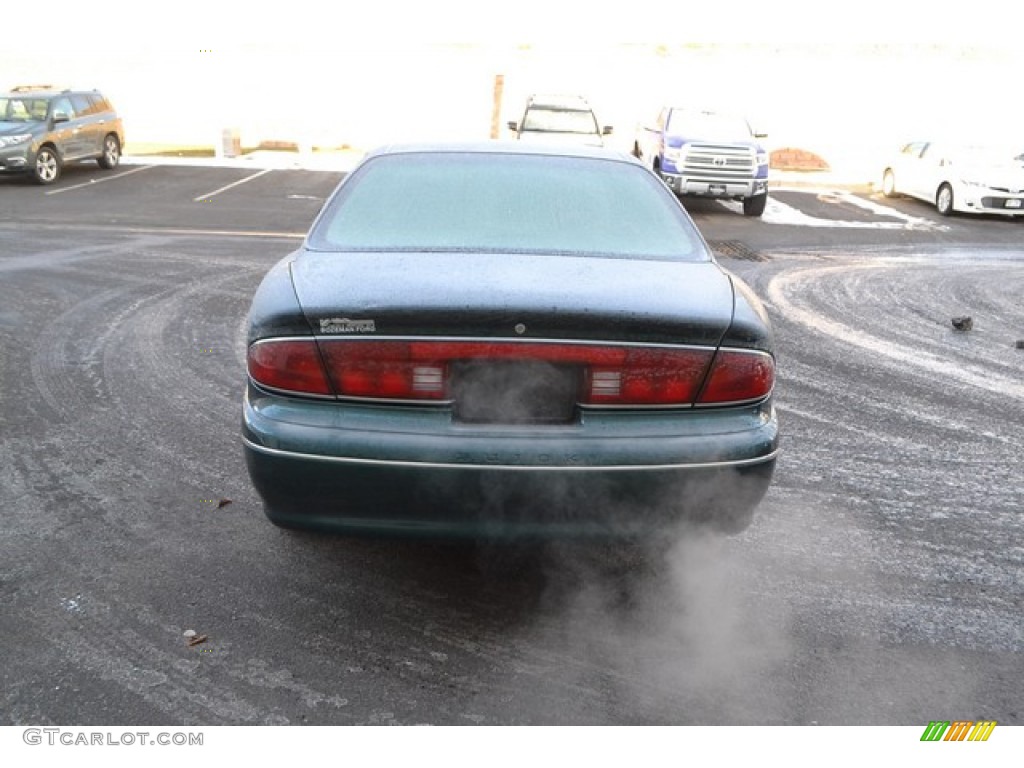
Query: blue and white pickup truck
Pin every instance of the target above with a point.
(706, 154)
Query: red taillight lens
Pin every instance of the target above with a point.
(648, 376)
(395, 370)
(739, 376)
(420, 370)
(292, 365)
(612, 375)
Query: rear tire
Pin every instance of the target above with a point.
(47, 167)
(754, 206)
(111, 153)
(944, 200)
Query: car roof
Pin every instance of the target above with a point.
(38, 91)
(504, 147)
(559, 101)
(707, 112)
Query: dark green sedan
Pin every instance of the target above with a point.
(499, 339)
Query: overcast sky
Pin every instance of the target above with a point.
(359, 23)
(861, 76)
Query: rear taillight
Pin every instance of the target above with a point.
(647, 376)
(393, 370)
(738, 376)
(288, 364)
(610, 375)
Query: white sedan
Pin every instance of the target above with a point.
(959, 178)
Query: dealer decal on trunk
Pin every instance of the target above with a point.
(344, 325)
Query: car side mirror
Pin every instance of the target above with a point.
(513, 125)
(607, 130)
(60, 117)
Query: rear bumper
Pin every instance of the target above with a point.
(410, 470)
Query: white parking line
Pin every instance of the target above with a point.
(208, 195)
(91, 182)
(175, 231)
(778, 212)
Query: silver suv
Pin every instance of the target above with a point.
(42, 129)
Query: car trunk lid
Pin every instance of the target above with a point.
(524, 296)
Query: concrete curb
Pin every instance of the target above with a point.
(818, 180)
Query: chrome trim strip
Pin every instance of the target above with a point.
(500, 340)
(748, 350)
(510, 467)
(606, 407)
(292, 392)
(358, 399)
(736, 403)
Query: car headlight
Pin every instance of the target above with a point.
(972, 183)
(762, 158)
(672, 154)
(10, 141)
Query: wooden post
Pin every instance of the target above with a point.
(499, 87)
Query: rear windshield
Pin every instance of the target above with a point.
(554, 120)
(507, 203)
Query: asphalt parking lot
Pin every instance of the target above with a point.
(182, 197)
(881, 583)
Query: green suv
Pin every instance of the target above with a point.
(42, 128)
